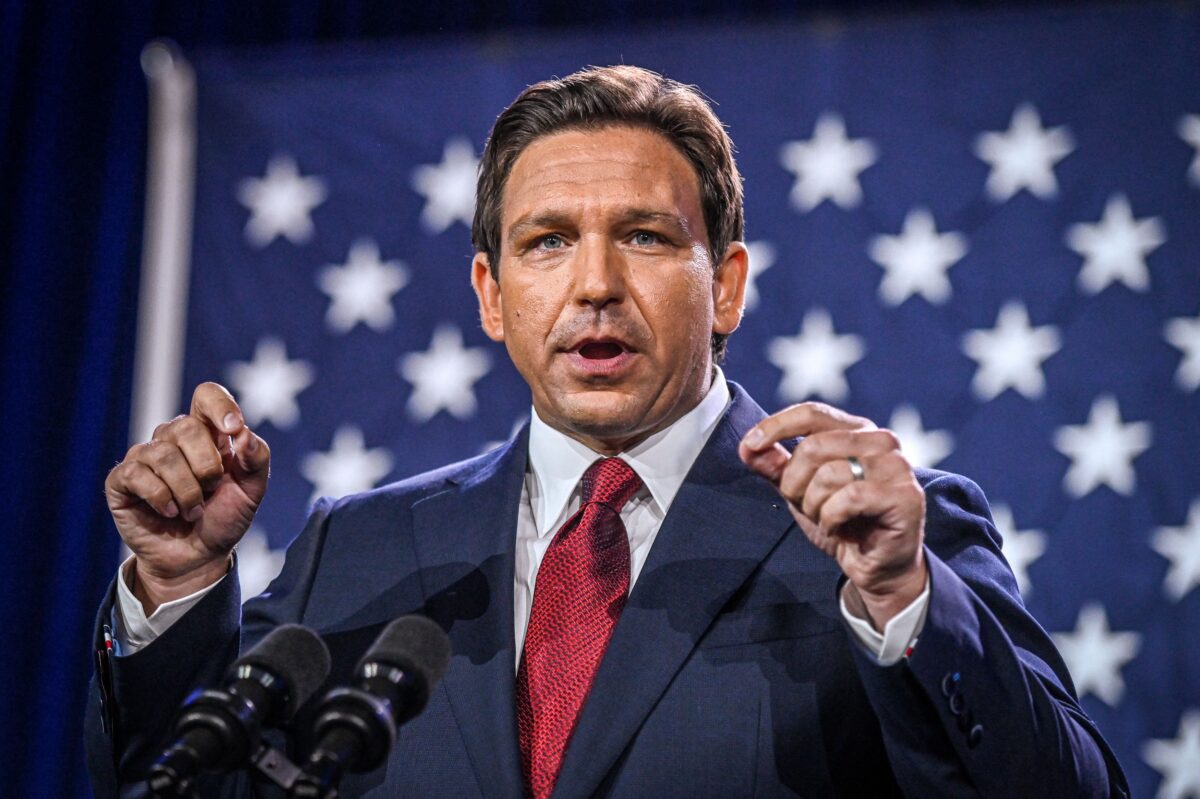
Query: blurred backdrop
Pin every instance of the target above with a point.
(978, 225)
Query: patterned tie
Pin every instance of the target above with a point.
(580, 591)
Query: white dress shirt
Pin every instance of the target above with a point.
(551, 495)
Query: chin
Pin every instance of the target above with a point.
(600, 415)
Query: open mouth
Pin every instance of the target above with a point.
(601, 358)
(600, 350)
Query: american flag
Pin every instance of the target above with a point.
(982, 230)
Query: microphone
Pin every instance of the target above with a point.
(355, 727)
(219, 729)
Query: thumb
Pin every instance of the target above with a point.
(251, 460)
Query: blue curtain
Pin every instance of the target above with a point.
(72, 154)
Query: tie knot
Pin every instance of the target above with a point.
(611, 482)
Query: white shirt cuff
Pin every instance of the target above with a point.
(132, 628)
(899, 634)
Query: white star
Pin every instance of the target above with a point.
(361, 289)
(1021, 547)
(1010, 355)
(1095, 655)
(814, 361)
(448, 187)
(762, 257)
(922, 448)
(827, 165)
(347, 468)
(443, 376)
(267, 386)
(1184, 333)
(1024, 156)
(1102, 451)
(915, 262)
(1189, 131)
(1178, 759)
(1115, 248)
(281, 203)
(258, 564)
(1180, 545)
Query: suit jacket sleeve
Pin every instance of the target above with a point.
(984, 705)
(148, 686)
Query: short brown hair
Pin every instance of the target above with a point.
(598, 97)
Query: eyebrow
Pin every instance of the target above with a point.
(553, 219)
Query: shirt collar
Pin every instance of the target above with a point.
(557, 461)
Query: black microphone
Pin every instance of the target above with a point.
(355, 727)
(220, 729)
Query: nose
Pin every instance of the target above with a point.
(599, 273)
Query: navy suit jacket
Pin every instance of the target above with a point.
(730, 672)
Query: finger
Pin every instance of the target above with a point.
(195, 440)
(815, 450)
(833, 475)
(802, 420)
(769, 463)
(251, 452)
(132, 482)
(863, 499)
(167, 461)
(213, 404)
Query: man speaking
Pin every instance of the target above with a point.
(652, 589)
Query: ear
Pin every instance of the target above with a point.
(487, 290)
(729, 288)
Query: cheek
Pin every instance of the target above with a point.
(529, 313)
(700, 291)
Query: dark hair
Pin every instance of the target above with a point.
(599, 97)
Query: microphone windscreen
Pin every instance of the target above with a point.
(294, 654)
(414, 643)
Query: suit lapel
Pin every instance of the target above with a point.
(722, 524)
(465, 537)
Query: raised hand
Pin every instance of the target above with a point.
(853, 494)
(183, 499)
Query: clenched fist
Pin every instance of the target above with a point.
(183, 499)
(854, 495)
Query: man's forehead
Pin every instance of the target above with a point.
(634, 172)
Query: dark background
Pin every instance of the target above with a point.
(72, 176)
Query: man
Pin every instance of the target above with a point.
(652, 590)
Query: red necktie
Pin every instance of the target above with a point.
(580, 591)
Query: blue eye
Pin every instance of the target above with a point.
(551, 242)
(645, 238)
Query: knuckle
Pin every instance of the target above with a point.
(864, 424)
(164, 455)
(825, 475)
(790, 485)
(895, 459)
(188, 426)
(809, 447)
(889, 439)
(187, 492)
(159, 496)
(207, 465)
(807, 411)
(168, 429)
(113, 477)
